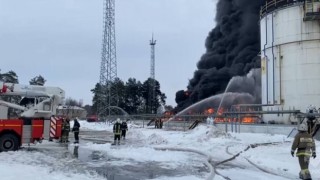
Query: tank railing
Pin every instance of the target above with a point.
(271, 5)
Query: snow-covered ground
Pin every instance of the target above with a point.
(267, 158)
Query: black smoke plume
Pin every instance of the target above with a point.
(232, 49)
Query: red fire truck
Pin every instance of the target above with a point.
(32, 118)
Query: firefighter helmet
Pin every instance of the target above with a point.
(311, 109)
(118, 120)
(303, 127)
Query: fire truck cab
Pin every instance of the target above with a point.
(32, 118)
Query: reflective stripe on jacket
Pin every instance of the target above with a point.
(304, 144)
(66, 126)
(117, 128)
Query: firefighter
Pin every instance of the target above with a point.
(76, 130)
(124, 129)
(208, 120)
(305, 146)
(62, 130)
(65, 130)
(160, 123)
(156, 124)
(117, 131)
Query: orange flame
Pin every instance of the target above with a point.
(248, 120)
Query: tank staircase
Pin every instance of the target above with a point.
(194, 124)
(181, 125)
(315, 131)
(312, 10)
(151, 122)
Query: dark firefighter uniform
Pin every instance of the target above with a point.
(65, 130)
(117, 131)
(156, 124)
(124, 129)
(76, 130)
(305, 146)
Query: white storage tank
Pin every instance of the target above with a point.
(290, 55)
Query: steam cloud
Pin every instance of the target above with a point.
(240, 90)
(231, 50)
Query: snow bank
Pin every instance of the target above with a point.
(156, 139)
(33, 165)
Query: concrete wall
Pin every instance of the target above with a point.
(261, 128)
(243, 128)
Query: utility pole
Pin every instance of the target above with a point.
(152, 77)
(108, 68)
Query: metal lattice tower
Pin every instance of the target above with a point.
(152, 76)
(108, 68)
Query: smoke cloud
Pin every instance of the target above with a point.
(231, 50)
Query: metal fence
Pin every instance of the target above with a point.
(232, 118)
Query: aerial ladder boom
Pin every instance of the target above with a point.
(10, 89)
(37, 101)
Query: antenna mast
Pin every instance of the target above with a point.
(152, 81)
(108, 68)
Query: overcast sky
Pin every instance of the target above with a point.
(61, 40)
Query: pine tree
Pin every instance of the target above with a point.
(38, 80)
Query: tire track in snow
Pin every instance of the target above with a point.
(251, 146)
(207, 163)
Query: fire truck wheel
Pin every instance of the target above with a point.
(9, 142)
